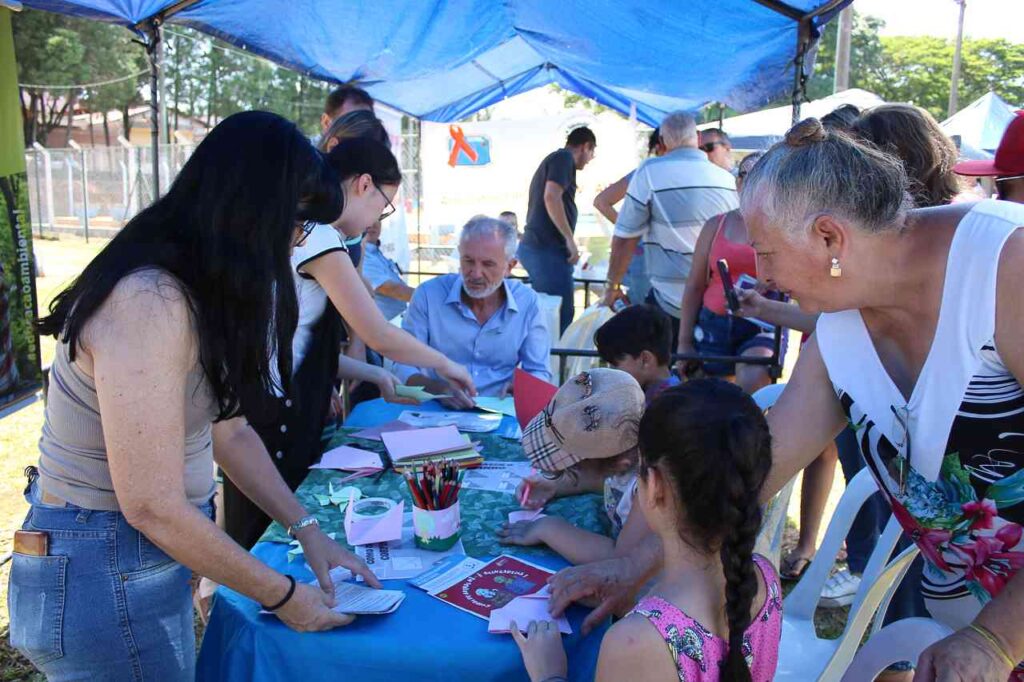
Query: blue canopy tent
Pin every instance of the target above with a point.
(441, 61)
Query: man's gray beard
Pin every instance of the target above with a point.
(478, 295)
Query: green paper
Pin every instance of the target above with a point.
(505, 406)
(417, 393)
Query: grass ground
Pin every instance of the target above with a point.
(61, 261)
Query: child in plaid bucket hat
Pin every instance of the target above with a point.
(583, 441)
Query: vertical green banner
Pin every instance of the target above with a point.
(20, 372)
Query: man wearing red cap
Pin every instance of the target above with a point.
(1007, 167)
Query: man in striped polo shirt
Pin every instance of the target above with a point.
(668, 201)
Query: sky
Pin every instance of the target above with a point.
(982, 18)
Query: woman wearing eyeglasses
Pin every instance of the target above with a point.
(329, 288)
(918, 346)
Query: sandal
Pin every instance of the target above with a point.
(793, 567)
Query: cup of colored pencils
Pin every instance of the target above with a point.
(435, 504)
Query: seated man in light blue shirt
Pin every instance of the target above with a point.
(390, 291)
(478, 318)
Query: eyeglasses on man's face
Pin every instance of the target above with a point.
(709, 147)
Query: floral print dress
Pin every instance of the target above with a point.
(950, 458)
(698, 653)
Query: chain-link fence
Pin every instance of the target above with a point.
(93, 191)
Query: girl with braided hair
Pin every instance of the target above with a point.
(705, 452)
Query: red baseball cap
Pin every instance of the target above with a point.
(1009, 156)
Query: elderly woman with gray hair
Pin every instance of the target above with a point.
(918, 345)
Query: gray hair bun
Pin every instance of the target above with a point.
(805, 133)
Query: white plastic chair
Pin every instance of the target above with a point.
(773, 526)
(802, 655)
(903, 640)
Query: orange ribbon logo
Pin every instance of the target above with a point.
(459, 144)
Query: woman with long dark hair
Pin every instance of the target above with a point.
(165, 347)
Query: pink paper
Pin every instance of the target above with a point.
(348, 458)
(523, 610)
(424, 442)
(373, 433)
(367, 531)
(525, 515)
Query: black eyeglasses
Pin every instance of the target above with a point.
(391, 207)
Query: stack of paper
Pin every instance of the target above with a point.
(410, 448)
(358, 600)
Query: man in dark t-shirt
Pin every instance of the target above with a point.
(548, 250)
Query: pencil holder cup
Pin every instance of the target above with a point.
(436, 530)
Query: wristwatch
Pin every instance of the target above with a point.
(304, 522)
(614, 286)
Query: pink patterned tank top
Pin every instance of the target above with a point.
(698, 653)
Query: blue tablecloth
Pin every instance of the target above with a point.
(424, 640)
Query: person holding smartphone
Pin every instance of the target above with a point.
(706, 325)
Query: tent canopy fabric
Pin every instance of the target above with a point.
(442, 61)
(762, 129)
(982, 123)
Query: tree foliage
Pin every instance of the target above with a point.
(918, 69)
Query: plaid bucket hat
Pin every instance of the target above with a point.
(594, 415)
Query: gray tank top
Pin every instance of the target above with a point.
(73, 455)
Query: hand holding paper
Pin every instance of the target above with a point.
(417, 393)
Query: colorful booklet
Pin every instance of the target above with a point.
(494, 585)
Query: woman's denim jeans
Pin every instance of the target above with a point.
(106, 604)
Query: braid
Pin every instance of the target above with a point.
(742, 514)
(714, 444)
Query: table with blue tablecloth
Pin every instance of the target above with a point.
(425, 639)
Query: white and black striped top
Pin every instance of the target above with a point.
(963, 426)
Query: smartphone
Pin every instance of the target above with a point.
(731, 299)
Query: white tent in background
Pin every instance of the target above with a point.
(980, 124)
(761, 129)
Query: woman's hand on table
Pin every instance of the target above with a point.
(386, 382)
(309, 610)
(609, 585)
(962, 657)
(542, 650)
(524, 533)
(542, 491)
(322, 554)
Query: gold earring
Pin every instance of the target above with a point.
(835, 271)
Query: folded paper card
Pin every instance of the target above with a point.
(523, 610)
(373, 519)
(504, 405)
(531, 395)
(348, 458)
(424, 442)
(373, 433)
(525, 515)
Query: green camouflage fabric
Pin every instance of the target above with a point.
(483, 511)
